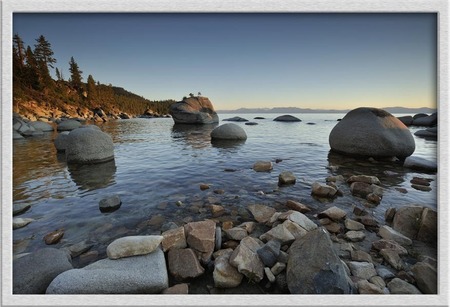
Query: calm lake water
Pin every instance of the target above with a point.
(158, 168)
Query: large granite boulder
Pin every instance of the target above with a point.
(89, 146)
(314, 266)
(371, 132)
(228, 132)
(131, 275)
(32, 273)
(60, 141)
(194, 110)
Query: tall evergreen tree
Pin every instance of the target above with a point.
(44, 57)
(31, 78)
(91, 89)
(58, 74)
(19, 50)
(75, 74)
(43, 52)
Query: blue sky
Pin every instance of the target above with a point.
(320, 61)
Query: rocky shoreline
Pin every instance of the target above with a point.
(297, 250)
(285, 249)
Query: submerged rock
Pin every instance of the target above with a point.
(419, 163)
(110, 203)
(262, 166)
(194, 110)
(371, 132)
(60, 141)
(236, 119)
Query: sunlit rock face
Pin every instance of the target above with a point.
(372, 132)
(194, 110)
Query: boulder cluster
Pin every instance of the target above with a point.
(284, 250)
(423, 120)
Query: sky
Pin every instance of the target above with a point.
(305, 60)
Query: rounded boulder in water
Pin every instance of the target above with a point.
(372, 132)
(89, 146)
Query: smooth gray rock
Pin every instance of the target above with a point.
(20, 208)
(314, 266)
(229, 131)
(38, 125)
(287, 118)
(60, 141)
(407, 120)
(132, 275)
(388, 233)
(426, 277)
(428, 121)
(399, 286)
(194, 110)
(34, 272)
(269, 252)
(110, 203)
(371, 132)
(17, 135)
(286, 178)
(419, 163)
(426, 134)
(364, 270)
(236, 119)
(89, 146)
(68, 125)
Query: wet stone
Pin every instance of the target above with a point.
(183, 264)
(366, 287)
(286, 178)
(54, 237)
(398, 286)
(261, 213)
(389, 215)
(110, 204)
(297, 206)
(269, 252)
(355, 236)
(217, 210)
(174, 238)
(364, 270)
(402, 190)
(262, 166)
(362, 256)
(353, 225)
(79, 248)
(236, 233)
(20, 208)
(334, 213)
(421, 187)
(393, 258)
(204, 187)
(21, 222)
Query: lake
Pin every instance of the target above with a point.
(158, 169)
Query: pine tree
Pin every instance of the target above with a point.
(19, 50)
(58, 74)
(91, 89)
(75, 74)
(44, 58)
(31, 75)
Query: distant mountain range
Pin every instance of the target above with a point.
(411, 111)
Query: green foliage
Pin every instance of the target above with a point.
(75, 74)
(32, 81)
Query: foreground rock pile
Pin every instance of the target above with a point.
(285, 251)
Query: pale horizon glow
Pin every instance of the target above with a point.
(317, 61)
